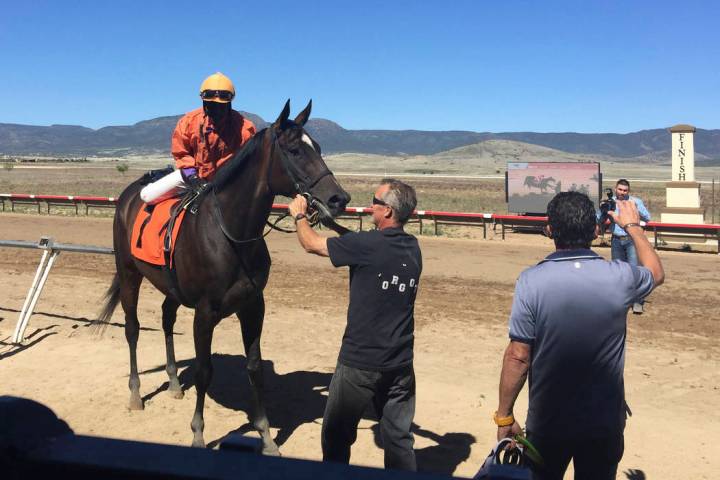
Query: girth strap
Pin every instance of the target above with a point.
(168, 251)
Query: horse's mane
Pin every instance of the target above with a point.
(227, 171)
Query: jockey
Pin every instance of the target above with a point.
(203, 140)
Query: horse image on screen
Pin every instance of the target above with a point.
(531, 185)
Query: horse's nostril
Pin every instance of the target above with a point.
(335, 201)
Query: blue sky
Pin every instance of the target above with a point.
(457, 65)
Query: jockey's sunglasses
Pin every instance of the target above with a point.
(377, 201)
(221, 94)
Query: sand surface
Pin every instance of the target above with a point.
(672, 369)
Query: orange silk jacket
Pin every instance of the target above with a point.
(196, 142)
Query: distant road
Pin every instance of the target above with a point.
(478, 177)
(417, 175)
(345, 174)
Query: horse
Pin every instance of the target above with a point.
(221, 260)
(537, 182)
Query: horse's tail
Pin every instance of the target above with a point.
(111, 300)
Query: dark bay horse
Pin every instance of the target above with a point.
(543, 183)
(221, 259)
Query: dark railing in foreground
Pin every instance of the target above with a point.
(421, 217)
(34, 443)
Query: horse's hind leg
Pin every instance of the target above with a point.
(251, 321)
(129, 292)
(169, 315)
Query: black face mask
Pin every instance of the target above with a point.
(217, 111)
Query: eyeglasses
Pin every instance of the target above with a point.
(221, 94)
(377, 201)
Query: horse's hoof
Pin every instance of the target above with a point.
(136, 404)
(178, 394)
(271, 451)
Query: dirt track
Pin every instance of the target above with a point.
(672, 368)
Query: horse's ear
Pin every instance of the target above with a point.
(303, 116)
(283, 115)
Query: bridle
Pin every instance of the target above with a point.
(302, 184)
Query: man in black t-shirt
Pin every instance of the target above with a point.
(376, 357)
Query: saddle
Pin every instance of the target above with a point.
(155, 232)
(156, 227)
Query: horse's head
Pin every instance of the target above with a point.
(298, 166)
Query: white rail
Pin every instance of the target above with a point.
(51, 250)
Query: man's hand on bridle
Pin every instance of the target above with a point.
(297, 205)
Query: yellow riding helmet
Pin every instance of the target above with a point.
(217, 88)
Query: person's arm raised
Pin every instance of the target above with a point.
(628, 219)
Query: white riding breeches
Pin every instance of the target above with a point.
(171, 185)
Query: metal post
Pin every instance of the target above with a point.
(22, 325)
(655, 237)
(484, 229)
(502, 226)
(51, 251)
(41, 275)
(30, 295)
(713, 200)
(436, 229)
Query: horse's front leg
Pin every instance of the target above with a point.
(206, 318)
(169, 310)
(251, 317)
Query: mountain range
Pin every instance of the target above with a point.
(153, 136)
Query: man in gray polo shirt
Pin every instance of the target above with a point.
(567, 330)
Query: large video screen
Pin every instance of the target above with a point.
(531, 185)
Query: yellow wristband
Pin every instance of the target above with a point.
(503, 421)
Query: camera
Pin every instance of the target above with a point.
(606, 206)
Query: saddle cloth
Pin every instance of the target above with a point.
(149, 231)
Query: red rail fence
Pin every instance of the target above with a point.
(421, 217)
(73, 201)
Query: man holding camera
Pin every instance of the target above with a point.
(622, 247)
(567, 331)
